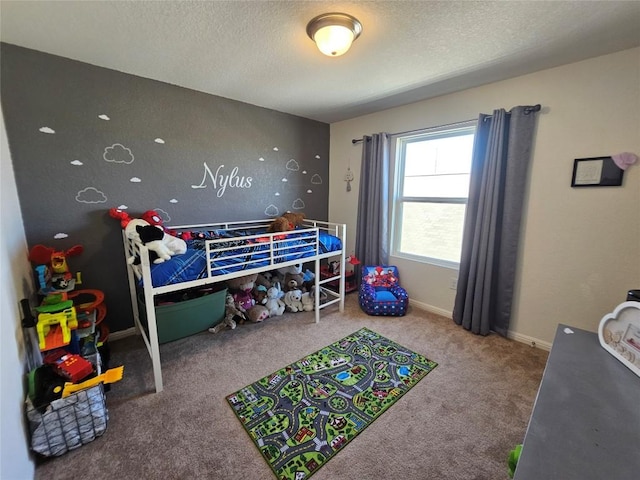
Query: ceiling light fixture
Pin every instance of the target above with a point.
(334, 32)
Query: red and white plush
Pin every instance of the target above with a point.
(172, 242)
(167, 246)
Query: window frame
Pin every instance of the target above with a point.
(400, 142)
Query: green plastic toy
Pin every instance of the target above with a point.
(512, 461)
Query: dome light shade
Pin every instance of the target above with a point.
(334, 32)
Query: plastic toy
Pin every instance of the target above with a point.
(110, 376)
(512, 461)
(53, 270)
(55, 323)
(73, 367)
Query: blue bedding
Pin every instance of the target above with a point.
(239, 254)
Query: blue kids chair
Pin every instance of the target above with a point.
(381, 293)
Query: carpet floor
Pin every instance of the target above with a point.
(459, 424)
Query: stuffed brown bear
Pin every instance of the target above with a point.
(295, 219)
(279, 224)
(292, 281)
(285, 223)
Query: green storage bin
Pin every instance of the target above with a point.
(187, 317)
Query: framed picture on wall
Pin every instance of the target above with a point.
(596, 172)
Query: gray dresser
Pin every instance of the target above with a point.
(585, 423)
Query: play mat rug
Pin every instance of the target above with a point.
(304, 413)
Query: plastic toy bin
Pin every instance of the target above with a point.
(186, 316)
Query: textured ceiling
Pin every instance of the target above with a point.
(258, 51)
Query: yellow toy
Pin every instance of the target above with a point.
(55, 322)
(110, 376)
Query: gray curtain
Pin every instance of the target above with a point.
(372, 228)
(499, 171)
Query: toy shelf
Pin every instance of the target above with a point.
(350, 279)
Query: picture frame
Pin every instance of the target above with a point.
(619, 334)
(596, 172)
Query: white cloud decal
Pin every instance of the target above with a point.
(76, 162)
(261, 159)
(285, 180)
(163, 215)
(135, 180)
(47, 130)
(309, 191)
(298, 204)
(122, 207)
(275, 149)
(316, 179)
(60, 235)
(103, 117)
(304, 172)
(118, 153)
(91, 195)
(292, 165)
(271, 211)
(159, 140)
(173, 200)
(318, 157)
(277, 194)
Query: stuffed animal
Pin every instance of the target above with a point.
(241, 288)
(309, 299)
(259, 294)
(264, 279)
(308, 302)
(243, 300)
(131, 229)
(293, 281)
(232, 314)
(293, 301)
(245, 282)
(257, 313)
(308, 281)
(297, 268)
(175, 245)
(151, 237)
(294, 219)
(152, 218)
(267, 277)
(279, 224)
(277, 277)
(227, 322)
(274, 304)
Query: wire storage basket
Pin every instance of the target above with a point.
(68, 423)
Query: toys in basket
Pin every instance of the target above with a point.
(64, 416)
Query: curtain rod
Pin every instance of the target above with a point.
(527, 111)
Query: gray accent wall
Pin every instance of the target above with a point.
(84, 139)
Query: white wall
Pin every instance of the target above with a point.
(580, 249)
(15, 463)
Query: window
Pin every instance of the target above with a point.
(432, 187)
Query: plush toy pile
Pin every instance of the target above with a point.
(258, 296)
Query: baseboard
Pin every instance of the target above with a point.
(518, 337)
(531, 341)
(430, 308)
(120, 334)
